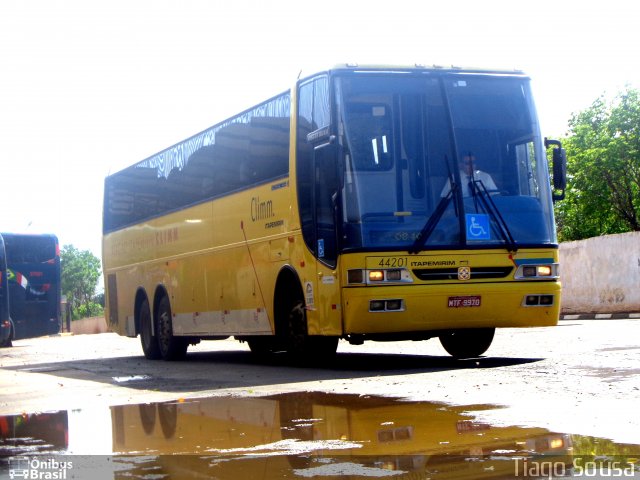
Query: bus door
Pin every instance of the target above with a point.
(318, 195)
(325, 296)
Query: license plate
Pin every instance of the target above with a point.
(466, 301)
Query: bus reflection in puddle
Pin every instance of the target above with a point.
(319, 434)
(314, 435)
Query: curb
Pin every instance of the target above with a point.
(600, 316)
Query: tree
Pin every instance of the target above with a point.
(80, 275)
(603, 149)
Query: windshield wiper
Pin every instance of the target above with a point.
(430, 226)
(478, 190)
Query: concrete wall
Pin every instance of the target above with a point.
(601, 275)
(89, 326)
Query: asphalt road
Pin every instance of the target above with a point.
(581, 377)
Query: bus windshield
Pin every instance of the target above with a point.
(442, 160)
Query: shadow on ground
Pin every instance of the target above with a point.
(202, 371)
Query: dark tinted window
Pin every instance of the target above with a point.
(313, 115)
(246, 150)
(30, 248)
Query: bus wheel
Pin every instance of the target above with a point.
(147, 413)
(168, 413)
(147, 339)
(309, 349)
(467, 343)
(261, 346)
(171, 348)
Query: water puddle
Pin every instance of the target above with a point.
(298, 435)
(131, 378)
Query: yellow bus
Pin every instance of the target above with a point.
(366, 203)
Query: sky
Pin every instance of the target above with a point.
(88, 87)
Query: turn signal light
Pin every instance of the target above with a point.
(556, 443)
(355, 276)
(376, 275)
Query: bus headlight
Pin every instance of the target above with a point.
(537, 272)
(394, 275)
(378, 276)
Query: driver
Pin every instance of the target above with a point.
(469, 174)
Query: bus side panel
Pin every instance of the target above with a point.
(219, 263)
(323, 299)
(148, 256)
(251, 246)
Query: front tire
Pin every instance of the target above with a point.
(305, 348)
(467, 343)
(171, 348)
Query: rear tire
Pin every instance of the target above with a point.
(148, 341)
(467, 343)
(171, 348)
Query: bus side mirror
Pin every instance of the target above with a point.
(559, 163)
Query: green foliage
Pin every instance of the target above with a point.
(603, 150)
(80, 275)
(92, 309)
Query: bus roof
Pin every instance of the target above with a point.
(418, 67)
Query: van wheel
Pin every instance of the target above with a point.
(147, 339)
(171, 348)
(467, 343)
(8, 342)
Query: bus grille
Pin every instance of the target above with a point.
(478, 273)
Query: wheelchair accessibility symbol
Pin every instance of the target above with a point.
(478, 226)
